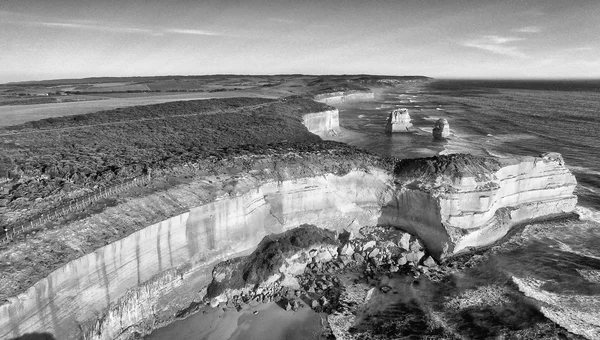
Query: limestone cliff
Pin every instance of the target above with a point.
(125, 285)
(459, 201)
(344, 96)
(322, 123)
(140, 281)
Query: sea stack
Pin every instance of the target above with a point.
(398, 121)
(441, 129)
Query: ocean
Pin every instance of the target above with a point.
(542, 273)
(554, 265)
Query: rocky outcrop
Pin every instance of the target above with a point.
(302, 265)
(344, 97)
(459, 201)
(441, 129)
(398, 121)
(322, 123)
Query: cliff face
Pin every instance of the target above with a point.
(140, 281)
(322, 123)
(68, 301)
(344, 96)
(459, 201)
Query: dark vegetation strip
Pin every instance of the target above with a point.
(80, 152)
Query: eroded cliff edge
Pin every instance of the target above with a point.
(138, 282)
(458, 201)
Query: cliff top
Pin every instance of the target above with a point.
(452, 166)
(51, 160)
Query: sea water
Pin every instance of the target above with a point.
(554, 265)
(541, 269)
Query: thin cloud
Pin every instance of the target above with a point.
(191, 31)
(91, 25)
(104, 28)
(582, 48)
(496, 44)
(283, 21)
(528, 29)
(495, 39)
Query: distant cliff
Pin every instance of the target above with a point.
(322, 123)
(345, 96)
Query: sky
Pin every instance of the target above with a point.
(52, 39)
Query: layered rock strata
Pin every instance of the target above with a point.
(459, 201)
(136, 283)
(441, 129)
(68, 301)
(322, 123)
(398, 121)
(344, 96)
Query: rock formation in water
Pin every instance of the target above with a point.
(441, 129)
(398, 121)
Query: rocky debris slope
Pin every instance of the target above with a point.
(453, 202)
(398, 121)
(377, 283)
(301, 266)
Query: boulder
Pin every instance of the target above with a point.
(405, 242)
(314, 304)
(368, 245)
(441, 129)
(415, 257)
(398, 121)
(374, 253)
(358, 257)
(347, 250)
(429, 262)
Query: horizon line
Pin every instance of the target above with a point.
(314, 75)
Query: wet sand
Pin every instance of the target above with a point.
(270, 323)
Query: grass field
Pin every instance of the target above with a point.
(13, 115)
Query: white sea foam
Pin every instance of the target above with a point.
(583, 170)
(590, 275)
(588, 214)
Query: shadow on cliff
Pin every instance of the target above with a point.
(36, 336)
